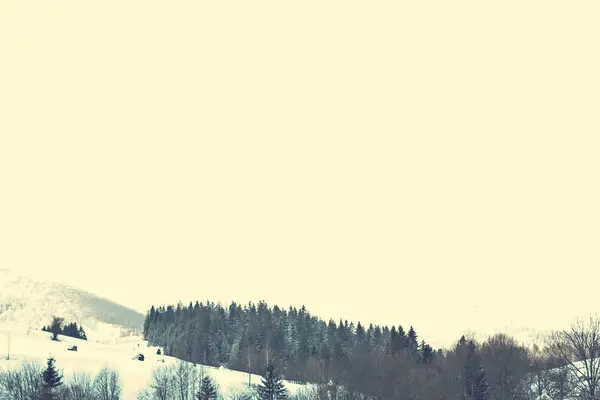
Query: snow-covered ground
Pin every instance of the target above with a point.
(28, 344)
(27, 304)
(33, 302)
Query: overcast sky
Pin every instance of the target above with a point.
(419, 163)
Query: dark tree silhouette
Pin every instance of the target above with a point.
(476, 386)
(207, 391)
(51, 380)
(271, 387)
(56, 327)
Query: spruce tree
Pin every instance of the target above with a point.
(51, 380)
(271, 387)
(413, 345)
(412, 338)
(476, 386)
(207, 391)
(426, 352)
(71, 330)
(360, 333)
(81, 333)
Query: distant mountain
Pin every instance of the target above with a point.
(31, 304)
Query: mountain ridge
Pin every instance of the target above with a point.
(32, 303)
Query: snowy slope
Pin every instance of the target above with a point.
(114, 334)
(37, 346)
(30, 303)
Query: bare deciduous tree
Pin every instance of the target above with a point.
(145, 394)
(237, 394)
(201, 371)
(107, 385)
(320, 392)
(183, 375)
(196, 379)
(507, 365)
(162, 383)
(561, 384)
(11, 385)
(22, 384)
(578, 348)
(249, 359)
(32, 381)
(81, 387)
(539, 382)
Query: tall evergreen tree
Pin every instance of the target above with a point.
(81, 333)
(426, 352)
(271, 387)
(51, 380)
(475, 380)
(412, 343)
(207, 391)
(412, 338)
(360, 333)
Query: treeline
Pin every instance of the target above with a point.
(57, 327)
(303, 347)
(31, 382)
(367, 362)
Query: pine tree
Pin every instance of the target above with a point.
(51, 379)
(413, 345)
(207, 391)
(426, 352)
(147, 323)
(81, 333)
(360, 333)
(71, 330)
(476, 386)
(271, 387)
(412, 338)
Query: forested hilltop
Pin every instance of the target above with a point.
(373, 361)
(302, 346)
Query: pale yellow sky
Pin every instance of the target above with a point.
(425, 163)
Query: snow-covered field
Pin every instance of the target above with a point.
(28, 344)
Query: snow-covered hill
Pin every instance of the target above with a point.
(30, 303)
(114, 334)
(37, 346)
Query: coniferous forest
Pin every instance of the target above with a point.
(379, 361)
(71, 330)
(303, 347)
